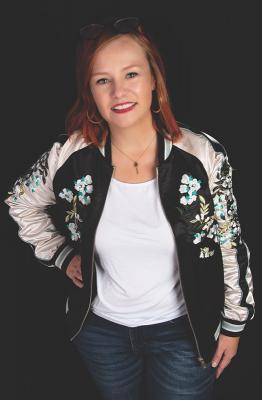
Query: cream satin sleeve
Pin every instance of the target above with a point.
(239, 306)
(31, 194)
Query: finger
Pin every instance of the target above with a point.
(223, 364)
(72, 274)
(217, 358)
(79, 278)
(78, 274)
(77, 282)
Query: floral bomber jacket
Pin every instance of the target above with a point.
(58, 202)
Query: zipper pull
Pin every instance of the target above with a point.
(202, 362)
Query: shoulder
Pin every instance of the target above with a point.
(66, 146)
(192, 138)
(200, 144)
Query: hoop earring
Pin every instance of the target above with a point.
(155, 100)
(156, 111)
(93, 122)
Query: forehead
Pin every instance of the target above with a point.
(119, 52)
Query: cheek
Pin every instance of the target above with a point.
(100, 99)
(143, 91)
(146, 94)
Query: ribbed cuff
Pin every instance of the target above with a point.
(64, 257)
(232, 328)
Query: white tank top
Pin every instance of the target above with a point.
(135, 258)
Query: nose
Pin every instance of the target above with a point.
(118, 89)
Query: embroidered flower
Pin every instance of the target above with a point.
(183, 189)
(34, 181)
(75, 234)
(204, 224)
(223, 226)
(198, 238)
(220, 204)
(89, 189)
(80, 186)
(33, 178)
(67, 195)
(187, 199)
(229, 230)
(83, 187)
(206, 252)
(190, 186)
(84, 199)
(82, 183)
(213, 232)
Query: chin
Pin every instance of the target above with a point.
(126, 122)
(123, 124)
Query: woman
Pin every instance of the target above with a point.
(138, 211)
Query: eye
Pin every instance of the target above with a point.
(133, 74)
(101, 81)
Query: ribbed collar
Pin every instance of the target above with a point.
(164, 147)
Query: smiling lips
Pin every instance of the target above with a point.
(123, 107)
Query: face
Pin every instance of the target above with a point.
(121, 74)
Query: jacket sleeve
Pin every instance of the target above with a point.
(31, 196)
(239, 305)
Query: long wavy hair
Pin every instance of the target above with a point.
(84, 115)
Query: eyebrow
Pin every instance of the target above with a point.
(123, 69)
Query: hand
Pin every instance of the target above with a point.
(73, 271)
(226, 350)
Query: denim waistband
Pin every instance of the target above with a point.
(181, 320)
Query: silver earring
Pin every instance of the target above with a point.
(93, 122)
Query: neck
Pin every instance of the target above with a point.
(133, 139)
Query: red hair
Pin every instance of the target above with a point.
(76, 119)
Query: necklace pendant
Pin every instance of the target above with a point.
(135, 165)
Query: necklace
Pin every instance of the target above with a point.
(135, 162)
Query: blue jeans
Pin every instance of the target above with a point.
(153, 362)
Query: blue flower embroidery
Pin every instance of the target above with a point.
(75, 234)
(67, 195)
(33, 178)
(203, 224)
(84, 187)
(229, 232)
(190, 187)
(223, 226)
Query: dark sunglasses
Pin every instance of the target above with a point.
(123, 25)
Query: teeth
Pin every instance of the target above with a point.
(122, 106)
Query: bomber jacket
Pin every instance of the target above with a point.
(58, 202)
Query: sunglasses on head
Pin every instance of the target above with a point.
(122, 25)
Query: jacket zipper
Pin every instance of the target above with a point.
(91, 288)
(200, 358)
